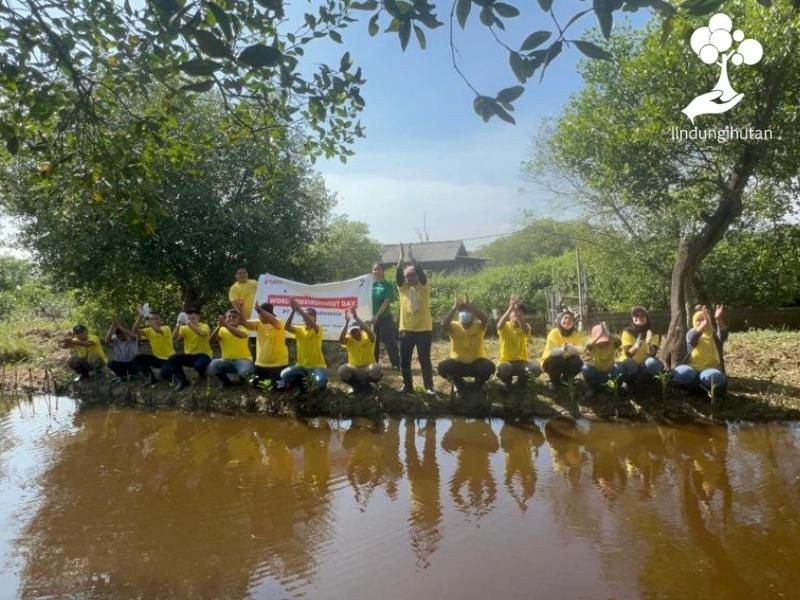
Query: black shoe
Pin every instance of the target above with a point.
(180, 384)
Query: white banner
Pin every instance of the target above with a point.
(329, 299)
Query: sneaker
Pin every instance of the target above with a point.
(180, 384)
(405, 390)
(430, 391)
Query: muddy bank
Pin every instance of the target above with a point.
(529, 402)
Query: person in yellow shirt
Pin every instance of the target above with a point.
(361, 370)
(310, 360)
(416, 323)
(514, 332)
(704, 365)
(561, 359)
(600, 367)
(467, 350)
(159, 337)
(243, 289)
(637, 357)
(87, 353)
(236, 358)
(197, 352)
(272, 354)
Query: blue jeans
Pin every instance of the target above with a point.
(597, 379)
(686, 376)
(198, 362)
(222, 367)
(630, 369)
(296, 376)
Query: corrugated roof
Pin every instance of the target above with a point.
(425, 251)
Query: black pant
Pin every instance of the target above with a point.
(198, 362)
(421, 340)
(480, 368)
(558, 366)
(273, 374)
(123, 369)
(385, 332)
(146, 362)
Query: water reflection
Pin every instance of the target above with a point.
(173, 505)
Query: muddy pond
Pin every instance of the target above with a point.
(117, 503)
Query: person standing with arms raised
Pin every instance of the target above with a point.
(416, 324)
(383, 293)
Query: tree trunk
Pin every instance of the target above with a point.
(192, 298)
(692, 249)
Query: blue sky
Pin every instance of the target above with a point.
(426, 151)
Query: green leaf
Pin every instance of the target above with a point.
(222, 19)
(483, 105)
(199, 66)
(546, 4)
(553, 51)
(373, 27)
(211, 44)
(345, 63)
(368, 5)
(505, 10)
(592, 50)
(6, 131)
(405, 33)
(510, 94)
(420, 36)
(606, 21)
(701, 7)
(517, 64)
(202, 86)
(501, 112)
(462, 11)
(534, 40)
(335, 36)
(487, 16)
(260, 55)
(666, 28)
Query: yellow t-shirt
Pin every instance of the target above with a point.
(309, 347)
(193, 343)
(246, 292)
(628, 340)
(88, 352)
(601, 356)
(415, 307)
(466, 343)
(234, 348)
(160, 341)
(556, 340)
(513, 343)
(705, 354)
(360, 353)
(271, 350)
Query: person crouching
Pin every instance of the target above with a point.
(361, 370)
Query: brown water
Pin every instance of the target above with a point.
(121, 504)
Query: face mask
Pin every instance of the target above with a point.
(465, 317)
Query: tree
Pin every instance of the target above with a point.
(344, 251)
(223, 200)
(614, 149)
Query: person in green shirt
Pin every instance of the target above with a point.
(383, 294)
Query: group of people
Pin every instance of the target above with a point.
(628, 359)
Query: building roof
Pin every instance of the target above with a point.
(428, 252)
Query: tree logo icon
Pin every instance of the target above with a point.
(715, 45)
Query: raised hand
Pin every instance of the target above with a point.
(349, 314)
(294, 304)
(719, 312)
(456, 303)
